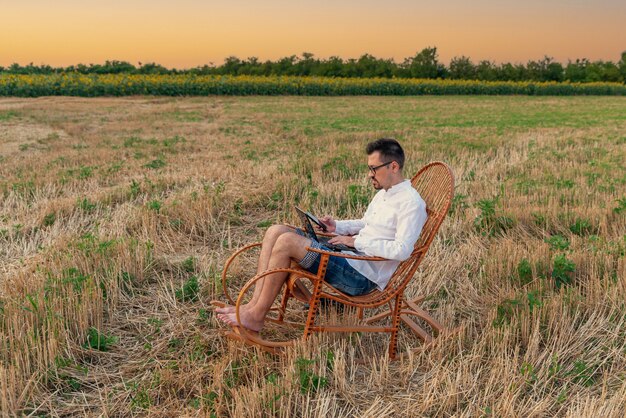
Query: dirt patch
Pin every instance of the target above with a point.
(22, 137)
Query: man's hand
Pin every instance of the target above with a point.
(330, 223)
(343, 239)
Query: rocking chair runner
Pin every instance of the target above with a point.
(435, 184)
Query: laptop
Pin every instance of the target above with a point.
(307, 218)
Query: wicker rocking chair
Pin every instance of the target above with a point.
(435, 184)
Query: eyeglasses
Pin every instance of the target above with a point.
(373, 169)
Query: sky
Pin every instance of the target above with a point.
(190, 33)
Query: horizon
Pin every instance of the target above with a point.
(190, 33)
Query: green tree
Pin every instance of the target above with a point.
(231, 65)
(306, 65)
(622, 66)
(284, 66)
(424, 64)
(152, 68)
(486, 71)
(602, 71)
(510, 72)
(545, 70)
(462, 68)
(332, 67)
(576, 72)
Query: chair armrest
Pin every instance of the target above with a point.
(344, 255)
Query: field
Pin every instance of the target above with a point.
(117, 214)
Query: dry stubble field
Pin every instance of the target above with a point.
(116, 216)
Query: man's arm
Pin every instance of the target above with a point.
(351, 227)
(411, 220)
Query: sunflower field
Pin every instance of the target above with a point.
(94, 85)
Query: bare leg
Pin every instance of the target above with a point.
(269, 240)
(286, 247)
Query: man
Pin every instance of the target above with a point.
(390, 228)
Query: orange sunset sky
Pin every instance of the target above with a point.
(188, 33)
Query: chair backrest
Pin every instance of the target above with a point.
(435, 184)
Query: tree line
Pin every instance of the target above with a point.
(425, 64)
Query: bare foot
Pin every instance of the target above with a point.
(247, 320)
(225, 310)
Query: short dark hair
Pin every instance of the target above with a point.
(390, 150)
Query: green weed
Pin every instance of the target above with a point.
(337, 168)
(581, 227)
(24, 189)
(526, 185)
(74, 277)
(309, 381)
(49, 219)
(203, 316)
(86, 205)
(190, 290)
(132, 142)
(582, 373)
(176, 223)
(97, 341)
(91, 244)
(562, 270)
(154, 205)
(127, 281)
(487, 222)
(135, 188)
(8, 114)
(358, 196)
(459, 204)
(174, 344)
(558, 243)
(140, 398)
(534, 299)
(156, 324)
(155, 164)
(114, 168)
(264, 224)
(621, 205)
(505, 311)
(528, 371)
(525, 272)
(564, 183)
(555, 366)
(85, 172)
(231, 375)
(538, 219)
(508, 308)
(173, 141)
(189, 264)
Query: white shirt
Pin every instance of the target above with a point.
(389, 228)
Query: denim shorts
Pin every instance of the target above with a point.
(339, 273)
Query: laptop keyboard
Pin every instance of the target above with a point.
(335, 247)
